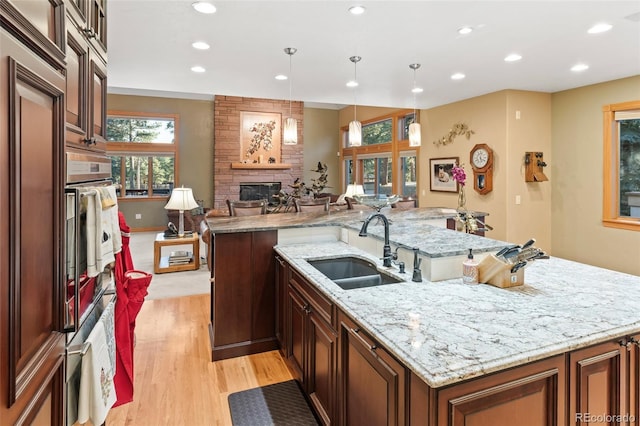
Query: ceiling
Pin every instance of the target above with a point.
(149, 45)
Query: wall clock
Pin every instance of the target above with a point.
(482, 165)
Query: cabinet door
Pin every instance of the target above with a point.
(372, 382)
(598, 385)
(295, 334)
(31, 194)
(634, 382)
(76, 89)
(532, 395)
(282, 272)
(321, 384)
(90, 17)
(97, 99)
(232, 290)
(263, 292)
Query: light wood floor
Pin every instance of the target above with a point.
(175, 381)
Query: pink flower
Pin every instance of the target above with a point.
(459, 174)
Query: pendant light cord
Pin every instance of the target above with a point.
(290, 82)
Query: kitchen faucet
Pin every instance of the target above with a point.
(387, 256)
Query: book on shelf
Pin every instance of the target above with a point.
(180, 257)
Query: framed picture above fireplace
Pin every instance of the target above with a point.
(260, 137)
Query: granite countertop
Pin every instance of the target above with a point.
(408, 228)
(448, 331)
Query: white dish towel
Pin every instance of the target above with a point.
(97, 391)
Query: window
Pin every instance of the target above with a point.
(377, 132)
(622, 165)
(408, 174)
(384, 164)
(143, 150)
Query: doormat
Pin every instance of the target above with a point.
(280, 404)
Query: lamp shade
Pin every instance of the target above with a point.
(355, 133)
(181, 199)
(353, 189)
(290, 131)
(415, 138)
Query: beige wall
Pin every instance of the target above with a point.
(321, 144)
(195, 152)
(577, 169)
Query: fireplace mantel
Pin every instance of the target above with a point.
(275, 166)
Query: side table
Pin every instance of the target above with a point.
(161, 264)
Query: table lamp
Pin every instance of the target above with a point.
(353, 189)
(181, 199)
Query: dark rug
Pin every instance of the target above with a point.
(281, 404)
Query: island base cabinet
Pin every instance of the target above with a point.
(604, 384)
(243, 294)
(372, 382)
(533, 395)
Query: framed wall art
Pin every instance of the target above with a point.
(440, 174)
(260, 137)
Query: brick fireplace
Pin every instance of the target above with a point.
(228, 174)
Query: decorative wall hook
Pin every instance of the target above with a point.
(457, 129)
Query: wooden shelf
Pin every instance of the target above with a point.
(275, 166)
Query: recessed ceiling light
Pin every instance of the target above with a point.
(464, 30)
(200, 45)
(458, 76)
(417, 90)
(599, 28)
(198, 68)
(356, 10)
(579, 67)
(281, 77)
(512, 57)
(204, 7)
(352, 83)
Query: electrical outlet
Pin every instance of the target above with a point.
(518, 200)
(518, 115)
(138, 216)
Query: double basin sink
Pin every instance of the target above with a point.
(352, 272)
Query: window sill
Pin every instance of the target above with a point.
(630, 224)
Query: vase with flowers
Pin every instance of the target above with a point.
(459, 175)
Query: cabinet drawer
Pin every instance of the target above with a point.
(323, 306)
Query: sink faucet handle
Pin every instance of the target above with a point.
(394, 255)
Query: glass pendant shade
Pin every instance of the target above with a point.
(415, 138)
(355, 133)
(290, 131)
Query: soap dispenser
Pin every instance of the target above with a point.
(470, 269)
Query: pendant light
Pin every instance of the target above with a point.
(415, 137)
(290, 123)
(355, 127)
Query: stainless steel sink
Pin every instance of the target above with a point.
(352, 272)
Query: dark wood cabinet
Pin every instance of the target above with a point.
(371, 381)
(90, 17)
(86, 92)
(31, 223)
(531, 395)
(634, 381)
(311, 345)
(598, 384)
(243, 294)
(282, 280)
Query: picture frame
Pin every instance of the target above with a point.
(260, 137)
(440, 176)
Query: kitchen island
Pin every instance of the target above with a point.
(563, 346)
